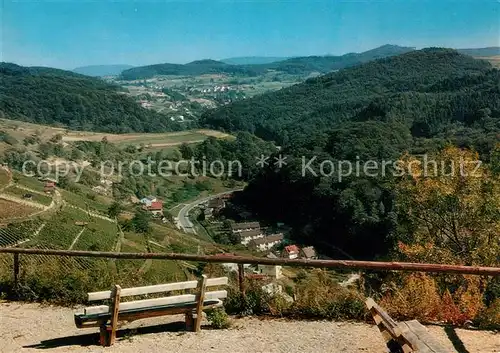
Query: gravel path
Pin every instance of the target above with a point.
(34, 328)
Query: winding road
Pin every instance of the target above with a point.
(184, 222)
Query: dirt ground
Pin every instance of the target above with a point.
(32, 328)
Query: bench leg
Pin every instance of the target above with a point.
(202, 283)
(103, 335)
(189, 321)
(114, 317)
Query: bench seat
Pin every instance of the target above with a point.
(83, 320)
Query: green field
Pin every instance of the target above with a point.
(99, 235)
(84, 201)
(38, 198)
(29, 182)
(60, 228)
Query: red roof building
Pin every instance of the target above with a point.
(49, 187)
(156, 207)
(292, 251)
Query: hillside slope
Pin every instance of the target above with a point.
(253, 60)
(325, 64)
(63, 98)
(199, 67)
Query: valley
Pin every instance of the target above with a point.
(64, 134)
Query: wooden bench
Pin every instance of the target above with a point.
(406, 336)
(106, 317)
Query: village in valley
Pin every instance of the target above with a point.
(268, 241)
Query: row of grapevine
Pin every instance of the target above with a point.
(15, 233)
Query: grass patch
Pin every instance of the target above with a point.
(4, 177)
(84, 201)
(29, 182)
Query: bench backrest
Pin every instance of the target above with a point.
(410, 335)
(160, 288)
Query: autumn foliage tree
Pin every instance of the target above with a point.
(449, 206)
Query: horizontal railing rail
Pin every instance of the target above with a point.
(226, 258)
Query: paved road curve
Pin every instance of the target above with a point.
(184, 221)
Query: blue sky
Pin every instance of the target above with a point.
(67, 34)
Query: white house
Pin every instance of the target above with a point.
(266, 243)
(148, 200)
(270, 270)
(246, 237)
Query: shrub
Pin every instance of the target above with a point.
(489, 318)
(218, 318)
(254, 302)
(416, 297)
(322, 297)
(56, 279)
(318, 296)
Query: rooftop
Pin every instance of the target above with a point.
(213, 203)
(292, 249)
(156, 206)
(250, 233)
(245, 225)
(269, 239)
(309, 251)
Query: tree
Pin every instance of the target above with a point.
(115, 209)
(76, 154)
(186, 151)
(452, 214)
(141, 221)
(56, 138)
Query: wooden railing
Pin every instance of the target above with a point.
(227, 258)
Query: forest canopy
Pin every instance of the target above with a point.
(416, 103)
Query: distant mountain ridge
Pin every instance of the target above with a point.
(255, 65)
(102, 70)
(257, 60)
(481, 52)
(299, 65)
(253, 60)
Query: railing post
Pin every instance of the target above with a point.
(241, 278)
(16, 271)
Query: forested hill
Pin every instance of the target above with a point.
(417, 102)
(58, 97)
(296, 66)
(426, 90)
(199, 67)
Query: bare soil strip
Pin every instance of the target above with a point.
(33, 328)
